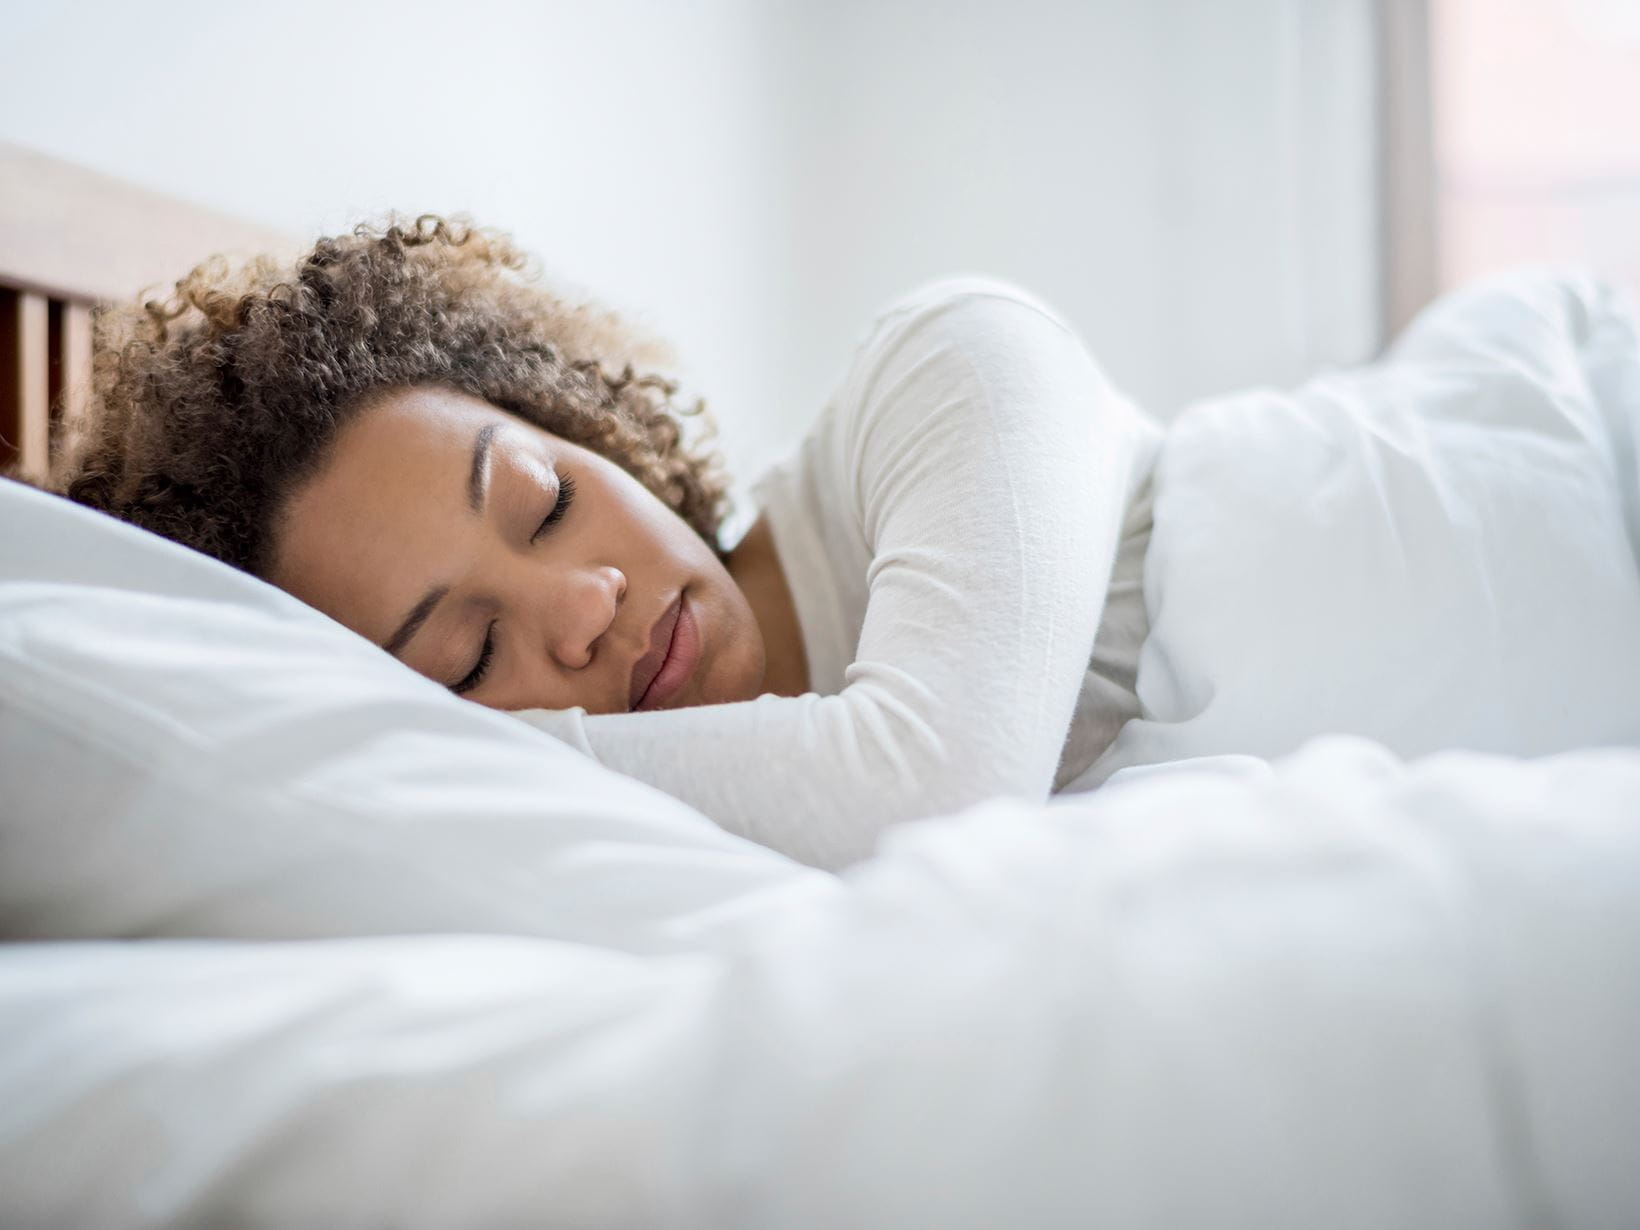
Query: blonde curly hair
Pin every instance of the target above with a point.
(209, 409)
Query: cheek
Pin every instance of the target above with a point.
(736, 670)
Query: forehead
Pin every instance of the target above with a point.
(406, 438)
(387, 510)
(406, 426)
(398, 452)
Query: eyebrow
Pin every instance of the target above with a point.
(413, 621)
(478, 481)
(478, 478)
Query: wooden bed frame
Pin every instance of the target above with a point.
(69, 239)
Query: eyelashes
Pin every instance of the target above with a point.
(566, 497)
(481, 668)
(475, 676)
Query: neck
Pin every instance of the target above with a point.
(755, 568)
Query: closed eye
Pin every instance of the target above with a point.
(481, 668)
(560, 506)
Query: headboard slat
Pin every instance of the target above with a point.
(70, 361)
(25, 401)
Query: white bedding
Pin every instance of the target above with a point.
(1438, 550)
(1338, 994)
(296, 938)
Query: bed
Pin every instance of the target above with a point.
(296, 938)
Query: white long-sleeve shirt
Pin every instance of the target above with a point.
(949, 531)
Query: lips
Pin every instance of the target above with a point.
(647, 667)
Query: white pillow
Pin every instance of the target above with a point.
(187, 751)
(1437, 551)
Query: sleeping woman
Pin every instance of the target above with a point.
(939, 600)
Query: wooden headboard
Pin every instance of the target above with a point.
(69, 238)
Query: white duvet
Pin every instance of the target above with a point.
(1438, 550)
(299, 940)
(1338, 994)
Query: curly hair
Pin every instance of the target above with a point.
(208, 410)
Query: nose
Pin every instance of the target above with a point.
(584, 609)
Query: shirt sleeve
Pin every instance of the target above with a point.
(987, 461)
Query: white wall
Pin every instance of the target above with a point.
(1190, 181)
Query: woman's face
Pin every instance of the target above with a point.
(519, 569)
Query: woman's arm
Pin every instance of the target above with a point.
(986, 462)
